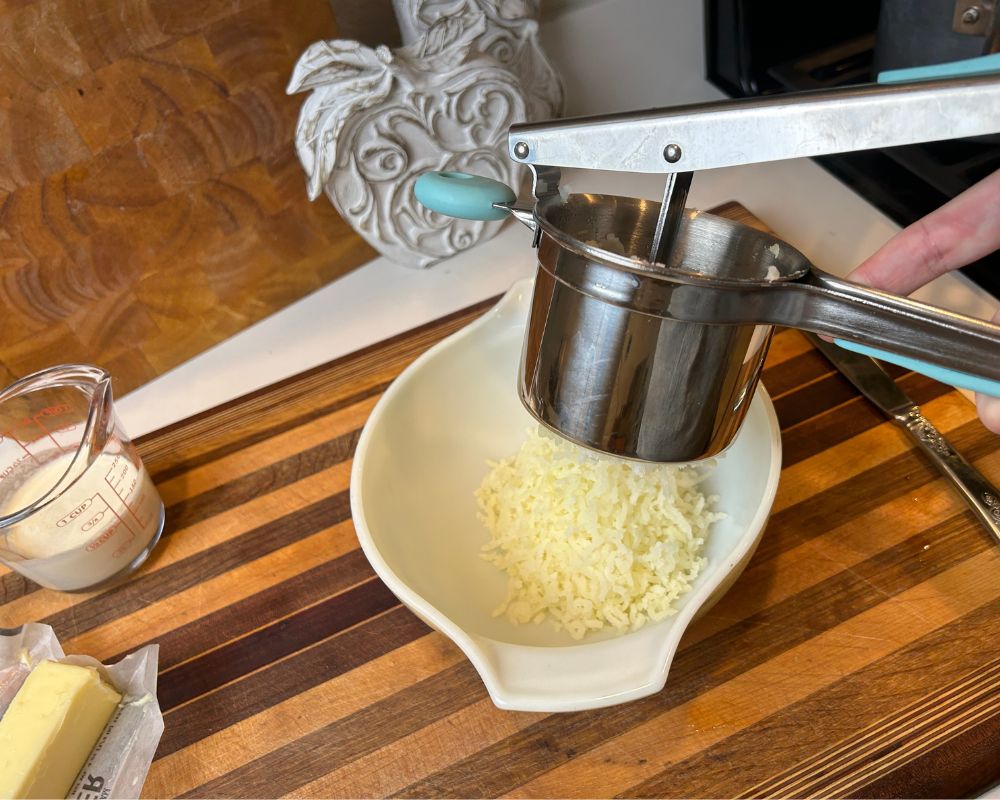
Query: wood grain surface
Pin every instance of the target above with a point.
(151, 203)
(855, 656)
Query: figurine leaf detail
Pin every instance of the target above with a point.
(345, 77)
(450, 39)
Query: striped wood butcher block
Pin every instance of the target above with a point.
(856, 656)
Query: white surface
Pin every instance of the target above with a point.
(650, 54)
(445, 416)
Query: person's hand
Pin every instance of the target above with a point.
(958, 233)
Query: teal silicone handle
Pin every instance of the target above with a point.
(457, 194)
(980, 65)
(963, 380)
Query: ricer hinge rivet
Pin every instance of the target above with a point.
(672, 153)
(521, 150)
(971, 15)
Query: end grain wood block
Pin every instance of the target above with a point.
(151, 203)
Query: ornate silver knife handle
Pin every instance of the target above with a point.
(983, 498)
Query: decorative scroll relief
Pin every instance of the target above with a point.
(377, 119)
(510, 38)
(993, 504)
(927, 433)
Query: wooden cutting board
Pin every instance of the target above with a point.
(855, 656)
(151, 200)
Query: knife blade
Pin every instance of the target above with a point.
(868, 377)
(877, 385)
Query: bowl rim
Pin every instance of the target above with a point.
(475, 646)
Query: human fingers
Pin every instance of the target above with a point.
(961, 231)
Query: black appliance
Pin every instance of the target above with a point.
(757, 47)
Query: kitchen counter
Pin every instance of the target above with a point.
(651, 55)
(841, 663)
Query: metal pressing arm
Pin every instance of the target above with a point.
(754, 130)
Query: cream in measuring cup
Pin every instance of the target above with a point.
(77, 507)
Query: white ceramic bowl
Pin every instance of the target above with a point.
(421, 456)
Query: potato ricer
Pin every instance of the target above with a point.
(650, 322)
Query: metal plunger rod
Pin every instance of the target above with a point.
(671, 212)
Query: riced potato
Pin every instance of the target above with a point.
(590, 540)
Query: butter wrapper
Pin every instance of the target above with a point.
(118, 764)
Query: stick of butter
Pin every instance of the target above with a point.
(50, 727)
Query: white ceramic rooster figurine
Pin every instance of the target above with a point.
(377, 119)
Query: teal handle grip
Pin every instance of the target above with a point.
(963, 380)
(457, 194)
(980, 65)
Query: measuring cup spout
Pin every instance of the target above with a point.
(92, 387)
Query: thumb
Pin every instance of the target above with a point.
(989, 407)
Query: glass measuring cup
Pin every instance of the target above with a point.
(77, 508)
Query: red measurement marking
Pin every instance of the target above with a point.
(104, 537)
(100, 540)
(142, 503)
(76, 512)
(53, 411)
(123, 522)
(9, 469)
(37, 420)
(124, 499)
(94, 521)
(9, 435)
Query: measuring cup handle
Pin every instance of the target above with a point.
(953, 377)
(458, 194)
